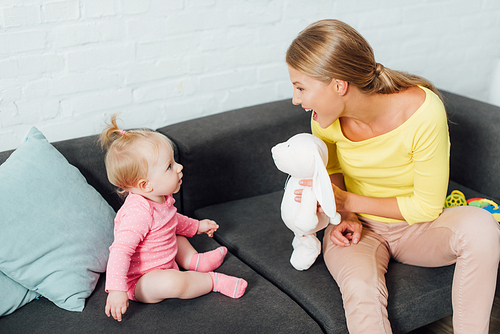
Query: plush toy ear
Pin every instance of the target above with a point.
(322, 187)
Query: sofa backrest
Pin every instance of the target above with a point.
(475, 143)
(227, 156)
(240, 139)
(206, 142)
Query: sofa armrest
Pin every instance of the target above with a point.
(227, 156)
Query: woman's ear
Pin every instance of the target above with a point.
(144, 186)
(341, 86)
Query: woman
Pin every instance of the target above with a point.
(388, 142)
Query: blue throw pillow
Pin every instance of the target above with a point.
(55, 228)
(13, 295)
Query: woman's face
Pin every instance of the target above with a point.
(316, 96)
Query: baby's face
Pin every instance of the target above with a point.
(164, 175)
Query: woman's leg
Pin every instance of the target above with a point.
(469, 237)
(359, 270)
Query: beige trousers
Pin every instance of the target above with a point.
(467, 236)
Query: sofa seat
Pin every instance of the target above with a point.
(263, 309)
(252, 229)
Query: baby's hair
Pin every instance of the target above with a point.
(127, 153)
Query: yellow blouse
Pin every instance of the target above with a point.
(410, 162)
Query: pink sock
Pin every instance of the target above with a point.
(230, 286)
(208, 261)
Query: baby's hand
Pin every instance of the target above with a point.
(116, 304)
(207, 226)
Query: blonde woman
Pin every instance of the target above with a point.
(388, 141)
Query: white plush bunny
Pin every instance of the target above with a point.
(304, 156)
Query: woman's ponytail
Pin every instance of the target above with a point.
(331, 49)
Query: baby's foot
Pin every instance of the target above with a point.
(208, 261)
(230, 286)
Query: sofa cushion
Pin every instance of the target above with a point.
(263, 309)
(254, 232)
(56, 229)
(13, 295)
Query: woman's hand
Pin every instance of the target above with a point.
(341, 196)
(116, 304)
(349, 230)
(207, 226)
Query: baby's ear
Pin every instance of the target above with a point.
(144, 185)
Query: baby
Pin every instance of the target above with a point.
(150, 236)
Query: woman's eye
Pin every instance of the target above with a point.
(300, 89)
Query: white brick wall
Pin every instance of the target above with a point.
(67, 65)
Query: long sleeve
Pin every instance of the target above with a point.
(409, 163)
(186, 226)
(131, 227)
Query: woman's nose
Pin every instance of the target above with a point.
(295, 100)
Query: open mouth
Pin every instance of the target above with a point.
(315, 115)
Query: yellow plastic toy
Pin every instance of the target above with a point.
(486, 204)
(457, 198)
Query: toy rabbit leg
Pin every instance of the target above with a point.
(305, 251)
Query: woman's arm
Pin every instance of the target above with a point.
(350, 227)
(347, 202)
(383, 207)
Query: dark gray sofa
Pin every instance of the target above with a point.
(229, 176)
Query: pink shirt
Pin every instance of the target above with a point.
(145, 239)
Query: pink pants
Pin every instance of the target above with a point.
(467, 236)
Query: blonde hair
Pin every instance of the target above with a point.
(331, 49)
(127, 153)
